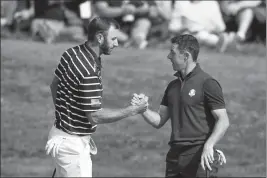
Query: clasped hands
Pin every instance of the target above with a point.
(139, 102)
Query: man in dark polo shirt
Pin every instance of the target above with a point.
(194, 102)
(77, 94)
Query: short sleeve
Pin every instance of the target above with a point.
(164, 100)
(90, 91)
(213, 94)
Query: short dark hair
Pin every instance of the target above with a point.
(187, 43)
(100, 24)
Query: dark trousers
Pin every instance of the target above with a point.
(184, 162)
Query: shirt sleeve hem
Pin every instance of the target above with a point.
(218, 107)
(92, 110)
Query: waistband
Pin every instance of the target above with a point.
(188, 149)
(58, 132)
(84, 135)
(55, 132)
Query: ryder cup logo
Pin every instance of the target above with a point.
(192, 92)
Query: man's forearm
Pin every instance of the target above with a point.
(111, 115)
(218, 131)
(151, 117)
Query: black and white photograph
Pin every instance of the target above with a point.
(133, 88)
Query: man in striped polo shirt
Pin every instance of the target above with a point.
(77, 94)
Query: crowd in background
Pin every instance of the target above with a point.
(217, 24)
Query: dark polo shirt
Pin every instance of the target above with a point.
(190, 101)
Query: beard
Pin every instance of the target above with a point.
(105, 47)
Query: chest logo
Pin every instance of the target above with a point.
(192, 92)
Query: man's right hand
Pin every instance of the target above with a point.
(139, 103)
(139, 98)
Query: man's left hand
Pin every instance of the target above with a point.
(207, 157)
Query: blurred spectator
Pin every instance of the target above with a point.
(9, 11)
(238, 16)
(52, 18)
(194, 17)
(152, 22)
(135, 17)
(82, 9)
(116, 10)
(123, 12)
(260, 12)
(159, 16)
(258, 31)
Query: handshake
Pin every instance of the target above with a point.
(139, 103)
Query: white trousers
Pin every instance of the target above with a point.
(71, 154)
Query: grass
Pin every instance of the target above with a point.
(130, 147)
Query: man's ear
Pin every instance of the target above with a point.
(186, 56)
(99, 38)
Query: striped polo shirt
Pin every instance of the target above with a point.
(79, 90)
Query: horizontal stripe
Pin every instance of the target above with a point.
(61, 86)
(87, 97)
(81, 117)
(73, 112)
(90, 87)
(79, 107)
(93, 129)
(89, 91)
(66, 82)
(74, 122)
(90, 84)
(79, 96)
(84, 101)
(77, 129)
(81, 90)
(66, 73)
(91, 79)
(73, 109)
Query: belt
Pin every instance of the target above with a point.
(58, 127)
(87, 139)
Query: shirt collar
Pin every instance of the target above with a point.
(96, 58)
(190, 74)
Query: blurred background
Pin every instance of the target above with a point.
(216, 24)
(34, 34)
